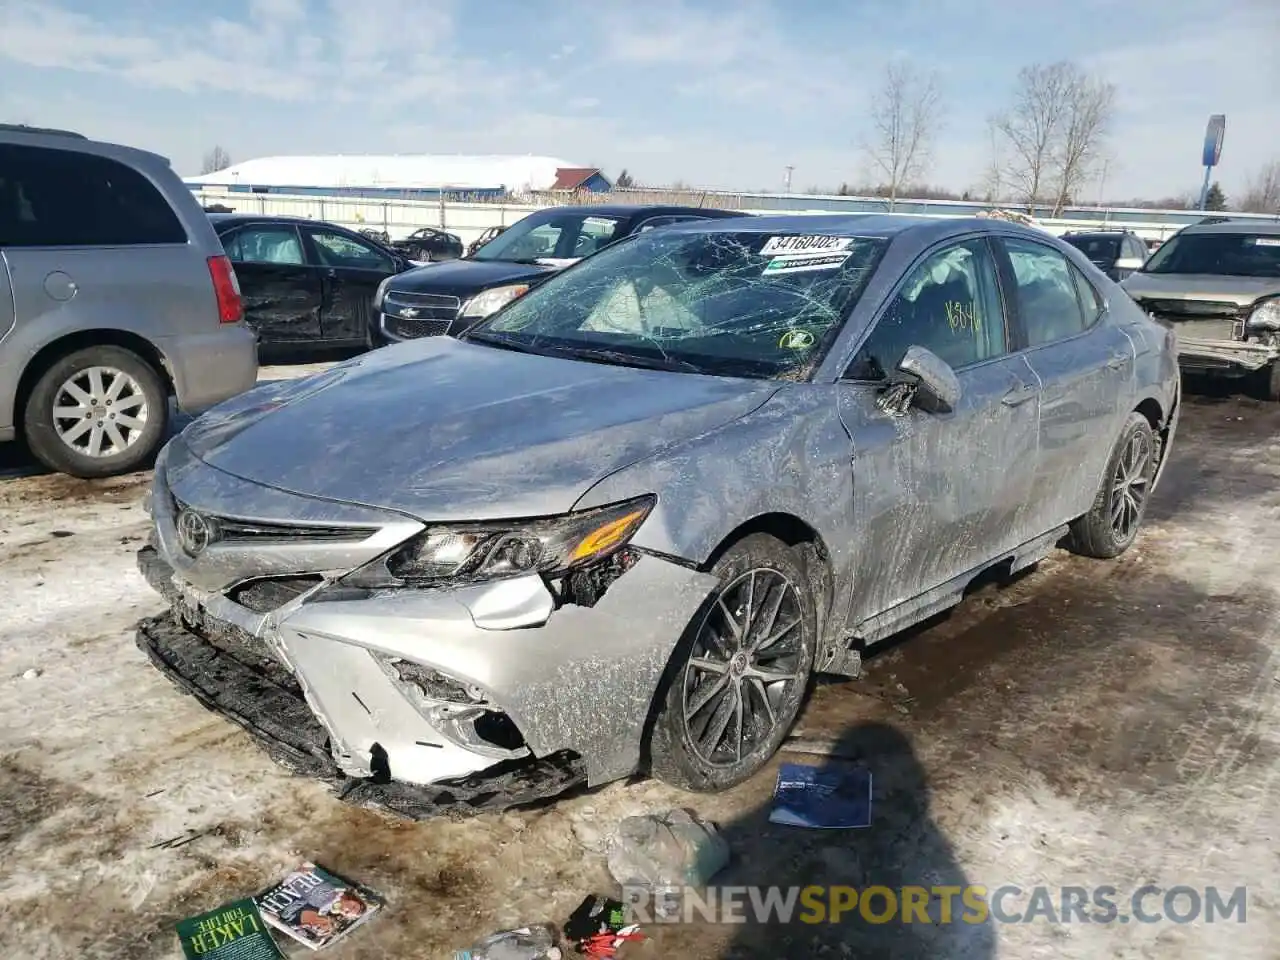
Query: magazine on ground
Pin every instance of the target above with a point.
(315, 907)
(234, 931)
(832, 797)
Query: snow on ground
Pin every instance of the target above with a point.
(1090, 724)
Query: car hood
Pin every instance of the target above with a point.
(441, 429)
(1241, 291)
(460, 277)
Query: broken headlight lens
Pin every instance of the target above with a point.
(486, 551)
(1266, 316)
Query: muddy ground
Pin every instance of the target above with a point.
(1090, 724)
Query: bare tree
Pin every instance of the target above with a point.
(1055, 130)
(1086, 119)
(1262, 194)
(215, 160)
(993, 181)
(904, 120)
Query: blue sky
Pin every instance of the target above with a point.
(712, 93)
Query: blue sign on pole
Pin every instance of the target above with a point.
(1213, 134)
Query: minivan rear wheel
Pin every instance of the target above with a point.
(97, 412)
(740, 673)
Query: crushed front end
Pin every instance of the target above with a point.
(325, 631)
(1220, 336)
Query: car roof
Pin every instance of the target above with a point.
(878, 225)
(229, 218)
(1270, 228)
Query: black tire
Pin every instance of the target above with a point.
(675, 757)
(1271, 381)
(1112, 523)
(41, 427)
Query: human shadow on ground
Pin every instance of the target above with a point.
(903, 848)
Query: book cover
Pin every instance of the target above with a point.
(315, 907)
(830, 797)
(234, 931)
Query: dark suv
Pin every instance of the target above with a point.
(1117, 253)
(450, 296)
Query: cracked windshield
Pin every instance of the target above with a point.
(738, 304)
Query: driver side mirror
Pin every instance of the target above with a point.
(937, 386)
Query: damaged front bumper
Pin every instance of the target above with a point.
(1202, 355)
(499, 690)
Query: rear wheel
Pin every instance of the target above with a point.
(97, 412)
(741, 671)
(1112, 523)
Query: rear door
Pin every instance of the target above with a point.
(281, 291)
(1085, 368)
(351, 269)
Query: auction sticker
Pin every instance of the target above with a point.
(1266, 242)
(803, 262)
(806, 244)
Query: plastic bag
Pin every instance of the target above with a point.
(665, 850)
(526, 943)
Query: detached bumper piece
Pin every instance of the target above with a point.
(230, 677)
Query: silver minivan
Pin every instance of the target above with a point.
(115, 296)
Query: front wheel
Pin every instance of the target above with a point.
(1112, 523)
(1271, 381)
(98, 412)
(741, 671)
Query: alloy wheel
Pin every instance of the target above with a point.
(1130, 486)
(741, 681)
(100, 411)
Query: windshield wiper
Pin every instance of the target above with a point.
(501, 342)
(618, 358)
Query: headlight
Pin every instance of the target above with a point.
(490, 301)
(1266, 316)
(486, 551)
(381, 292)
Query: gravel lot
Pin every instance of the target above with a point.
(1090, 724)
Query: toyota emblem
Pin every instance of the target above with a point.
(194, 532)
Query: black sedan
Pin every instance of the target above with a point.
(449, 297)
(428, 244)
(307, 285)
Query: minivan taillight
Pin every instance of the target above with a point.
(227, 289)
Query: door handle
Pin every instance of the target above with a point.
(1019, 393)
(1117, 361)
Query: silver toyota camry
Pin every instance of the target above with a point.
(621, 524)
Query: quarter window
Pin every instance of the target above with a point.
(1048, 299)
(265, 244)
(949, 304)
(65, 198)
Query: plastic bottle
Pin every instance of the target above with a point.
(526, 943)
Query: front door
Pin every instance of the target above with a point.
(938, 494)
(281, 291)
(352, 269)
(1085, 367)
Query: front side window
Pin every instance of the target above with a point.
(265, 244)
(949, 304)
(1048, 301)
(551, 237)
(64, 198)
(339, 250)
(1218, 254)
(737, 304)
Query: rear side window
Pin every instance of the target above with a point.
(1048, 300)
(61, 198)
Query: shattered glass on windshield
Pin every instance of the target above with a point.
(738, 304)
